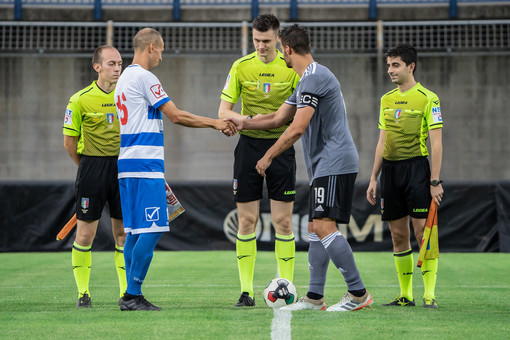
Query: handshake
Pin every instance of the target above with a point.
(230, 126)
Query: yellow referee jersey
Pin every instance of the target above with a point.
(407, 117)
(263, 88)
(91, 115)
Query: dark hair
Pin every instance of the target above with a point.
(406, 52)
(296, 36)
(266, 22)
(97, 57)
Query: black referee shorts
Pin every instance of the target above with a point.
(96, 184)
(280, 176)
(405, 188)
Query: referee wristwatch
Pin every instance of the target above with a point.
(435, 182)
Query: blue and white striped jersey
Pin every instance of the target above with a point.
(138, 95)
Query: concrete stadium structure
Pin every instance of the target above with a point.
(34, 91)
(35, 88)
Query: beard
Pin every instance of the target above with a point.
(286, 59)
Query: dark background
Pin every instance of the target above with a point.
(474, 217)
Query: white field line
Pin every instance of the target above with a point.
(280, 326)
(301, 288)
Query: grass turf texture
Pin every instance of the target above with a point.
(196, 291)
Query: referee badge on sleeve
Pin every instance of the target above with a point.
(226, 83)
(68, 119)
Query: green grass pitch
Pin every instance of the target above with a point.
(196, 291)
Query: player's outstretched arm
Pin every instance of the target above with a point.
(287, 139)
(188, 119)
(266, 122)
(376, 170)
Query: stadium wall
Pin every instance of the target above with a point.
(34, 91)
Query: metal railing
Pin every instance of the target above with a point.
(432, 37)
(292, 5)
(448, 37)
(213, 3)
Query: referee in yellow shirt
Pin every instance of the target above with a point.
(408, 115)
(92, 140)
(263, 82)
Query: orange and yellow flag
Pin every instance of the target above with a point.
(429, 248)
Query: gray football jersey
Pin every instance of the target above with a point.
(327, 142)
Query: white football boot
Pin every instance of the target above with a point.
(306, 303)
(349, 303)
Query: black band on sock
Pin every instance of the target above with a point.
(82, 250)
(409, 252)
(314, 296)
(283, 239)
(358, 293)
(246, 240)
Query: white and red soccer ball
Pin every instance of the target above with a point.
(280, 292)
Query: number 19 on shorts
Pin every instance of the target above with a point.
(319, 195)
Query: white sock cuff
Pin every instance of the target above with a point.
(326, 241)
(313, 237)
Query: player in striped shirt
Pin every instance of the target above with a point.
(141, 102)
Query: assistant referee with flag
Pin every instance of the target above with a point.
(92, 140)
(408, 115)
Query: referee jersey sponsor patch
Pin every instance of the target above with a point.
(436, 114)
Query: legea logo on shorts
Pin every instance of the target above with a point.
(152, 214)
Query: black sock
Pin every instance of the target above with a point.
(128, 296)
(358, 293)
(314, 296)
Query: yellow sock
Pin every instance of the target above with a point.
(404, 265)
(285, 251)
(82, 261)
(121, 269)
(429, 273)
(246, 249)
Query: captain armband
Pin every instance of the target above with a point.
(309, 99)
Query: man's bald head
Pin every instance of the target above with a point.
(145, 37)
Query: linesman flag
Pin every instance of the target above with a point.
(429, 248)
(174, 206)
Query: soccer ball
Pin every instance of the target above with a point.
(279, 293)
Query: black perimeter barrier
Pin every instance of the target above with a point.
(474, 217)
